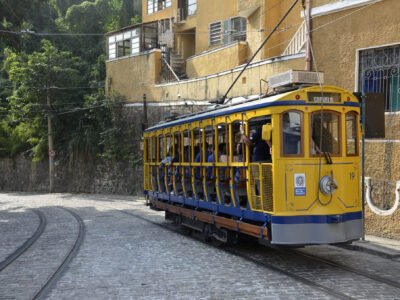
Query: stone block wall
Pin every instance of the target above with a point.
(100, 176)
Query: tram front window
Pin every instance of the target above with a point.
(351, 133)
(292, 133)
(325, 132)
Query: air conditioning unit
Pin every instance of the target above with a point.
(293, 77)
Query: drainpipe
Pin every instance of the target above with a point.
(309, 38)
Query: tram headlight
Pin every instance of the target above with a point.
(327, 185)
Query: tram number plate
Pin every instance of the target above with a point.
(300, 184)
(324, 97)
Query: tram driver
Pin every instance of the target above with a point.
(260, 150)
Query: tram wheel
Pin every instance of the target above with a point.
(186, 230)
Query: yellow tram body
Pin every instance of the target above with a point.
(308, 194)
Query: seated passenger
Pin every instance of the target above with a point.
(210, 159)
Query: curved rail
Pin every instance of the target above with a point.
(68, 258)
(28, 243)
(299, 278)
(375, 209)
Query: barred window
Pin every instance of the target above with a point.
(379, 72)
(234, 30)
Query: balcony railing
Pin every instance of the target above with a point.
(298, 41)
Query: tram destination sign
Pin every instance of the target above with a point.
(319, 97)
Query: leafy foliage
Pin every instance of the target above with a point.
(68, 70)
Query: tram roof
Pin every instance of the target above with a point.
(269, 101)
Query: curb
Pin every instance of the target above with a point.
(371, 248)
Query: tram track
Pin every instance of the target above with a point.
(53, 278)
(67, 258)
(317, 286)
(28, 243)
(240, 253)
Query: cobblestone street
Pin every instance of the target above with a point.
(126, 255)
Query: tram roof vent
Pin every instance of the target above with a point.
(292, 77)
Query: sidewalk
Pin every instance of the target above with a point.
(379, 246)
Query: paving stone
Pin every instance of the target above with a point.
(126, 257)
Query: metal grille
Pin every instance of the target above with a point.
(379, 72)
(261, 189)
(255, 186)
(267, 188)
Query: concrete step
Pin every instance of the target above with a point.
(387, 248)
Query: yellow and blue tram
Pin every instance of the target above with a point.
(201, 171)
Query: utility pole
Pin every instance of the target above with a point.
(51, 145)
(308, 20)
(145, 121)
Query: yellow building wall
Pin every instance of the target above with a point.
(219, 60)
(209, 11)
(215, 86)
(134, 76)
(281, 38)
(255, 25)
(336, 44)
(192, 35)
(336, 39)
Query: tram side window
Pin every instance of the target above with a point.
(292, 132)
(146, 150)
(351, 134)
(177, 147)
(223, 143)
(187, 146)
(260, 150)
(325, 132)
(197, 145)
(168, 144)
(239, 147)
(154, 149)
(210, 147)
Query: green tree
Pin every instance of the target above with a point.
(37, 76)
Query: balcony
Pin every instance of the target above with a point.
(217, 60)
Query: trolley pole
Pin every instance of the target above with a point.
(51, 145)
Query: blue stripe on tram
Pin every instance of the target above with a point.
(258, 216)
